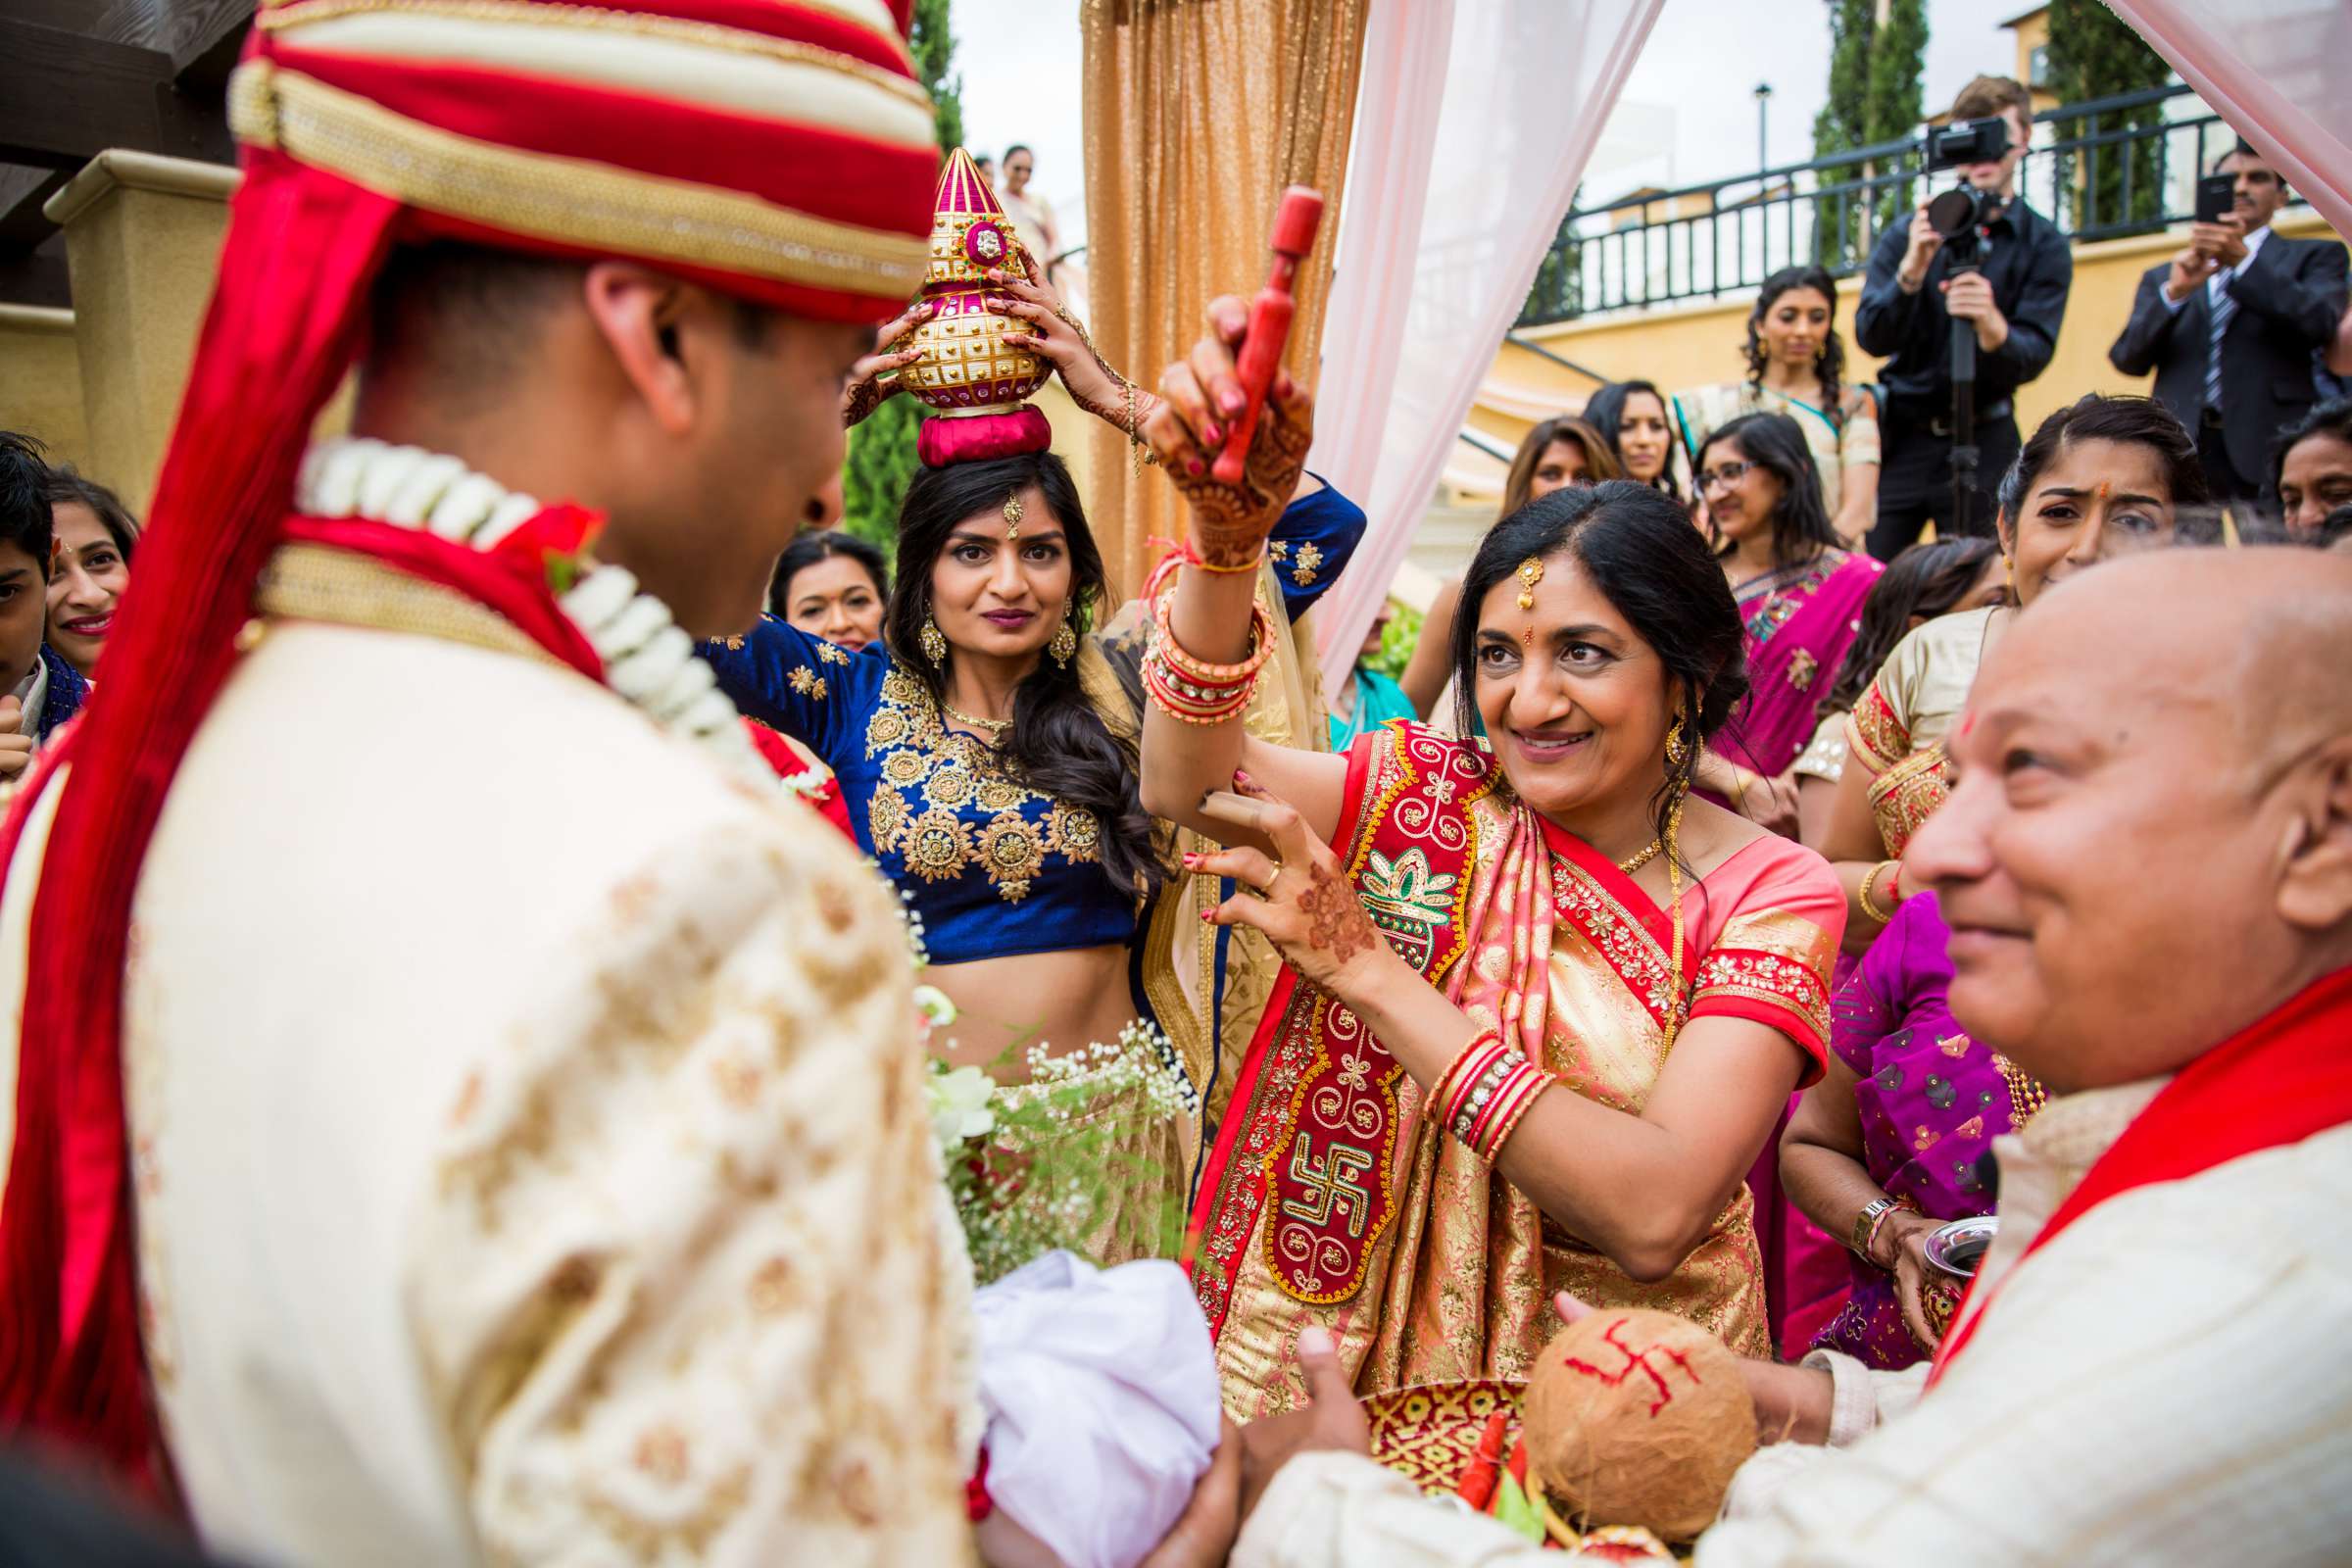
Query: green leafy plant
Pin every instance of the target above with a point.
(2095, 54)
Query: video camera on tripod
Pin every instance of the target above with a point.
(1960, 217)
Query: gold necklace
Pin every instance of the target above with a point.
(2026, 1095)
(994, 726)
(1649, 853)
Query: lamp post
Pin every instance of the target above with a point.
(1763, 96)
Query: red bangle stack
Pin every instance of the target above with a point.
(1191, 689)
(1482, 1097)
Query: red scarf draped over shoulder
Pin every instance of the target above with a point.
(2278, 1081)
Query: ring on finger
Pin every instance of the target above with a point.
(1272, 877)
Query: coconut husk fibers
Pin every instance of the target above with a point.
(1636, 1417)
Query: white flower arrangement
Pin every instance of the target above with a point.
(1035, 1165)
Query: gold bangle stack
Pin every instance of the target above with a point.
(1870, 880)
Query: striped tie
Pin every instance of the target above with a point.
(2222, 307)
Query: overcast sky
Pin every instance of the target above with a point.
(1688, 112)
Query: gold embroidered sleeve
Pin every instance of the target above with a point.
(1875, 737)
(675, 1280)
(1772, 966)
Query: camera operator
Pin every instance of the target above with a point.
(1913, 293)
(2229, 325)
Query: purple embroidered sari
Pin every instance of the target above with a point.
(1931, 1102)
(1800, 622)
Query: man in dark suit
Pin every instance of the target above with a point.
(2230, 325)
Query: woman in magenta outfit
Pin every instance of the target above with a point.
(1800, 600)
(1800, 594)
(1915, 1104)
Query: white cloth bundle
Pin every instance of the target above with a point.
(1099, 1389)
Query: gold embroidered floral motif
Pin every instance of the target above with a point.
(999, 795)
(902, 689)
(938, 843)
(886, 819)
(951, 785)
(885, 729)
(906, 768)
(1072, 832)
(1310, 557)
(1876, 734)
(1767, 977)
(1012, 850)
(831, 654)
(807, 682)
(1803, 667)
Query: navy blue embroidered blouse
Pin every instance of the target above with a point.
(994, 867)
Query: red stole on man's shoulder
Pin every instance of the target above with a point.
(2276, 1082)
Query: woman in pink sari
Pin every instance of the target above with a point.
(1800, 600)
(1539, 1009)
(1800, 594)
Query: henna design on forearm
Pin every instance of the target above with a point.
(864, 398)
(1230, 522)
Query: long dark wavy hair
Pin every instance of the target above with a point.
(1800, 523)
(1058, 744)
(1829, 361)
(1924, 581)
(1605, 411)
(1638, 547)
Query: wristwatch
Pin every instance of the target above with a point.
(1858, 1242)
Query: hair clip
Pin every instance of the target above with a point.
(1012, 518)
(1531, 572)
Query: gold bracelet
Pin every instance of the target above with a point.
(1870, 879)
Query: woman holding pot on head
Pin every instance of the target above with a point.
(1540, 1008)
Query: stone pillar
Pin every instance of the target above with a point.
(142, 243)
(40, 381)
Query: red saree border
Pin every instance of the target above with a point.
(1309, 1054)
(2282, 1079)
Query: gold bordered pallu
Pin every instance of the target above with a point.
(1329, 1199)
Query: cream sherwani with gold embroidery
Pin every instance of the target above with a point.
(530, 1153)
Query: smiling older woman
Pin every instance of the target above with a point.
(1542, 1008)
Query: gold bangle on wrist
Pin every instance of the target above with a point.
(1870, 879)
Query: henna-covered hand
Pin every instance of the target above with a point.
(1303, 902)
(1230, 522)
(873, 380)
(1043, 326)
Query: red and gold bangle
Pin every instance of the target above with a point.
(1512, 1101)
(1188, 701)
(1200, 670)
(1449, 1096)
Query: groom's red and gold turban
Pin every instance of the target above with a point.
(778, 150)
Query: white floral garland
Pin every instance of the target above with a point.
(649, 659)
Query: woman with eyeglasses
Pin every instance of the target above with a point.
(1800, 594)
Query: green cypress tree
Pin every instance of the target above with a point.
(881, 458)
(1836, 230)
(2095, 54)
(1891, 104)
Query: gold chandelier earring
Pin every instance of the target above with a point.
(934, 645)
(1064, 645)
(1677, 750)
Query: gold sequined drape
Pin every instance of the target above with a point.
(1198, 113)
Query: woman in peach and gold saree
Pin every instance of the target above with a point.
(1539, 1009)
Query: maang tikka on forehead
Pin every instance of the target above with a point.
(1531, 572)
(1013, 518)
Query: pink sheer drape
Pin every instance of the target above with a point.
(2275, 70)
(1473, 121)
